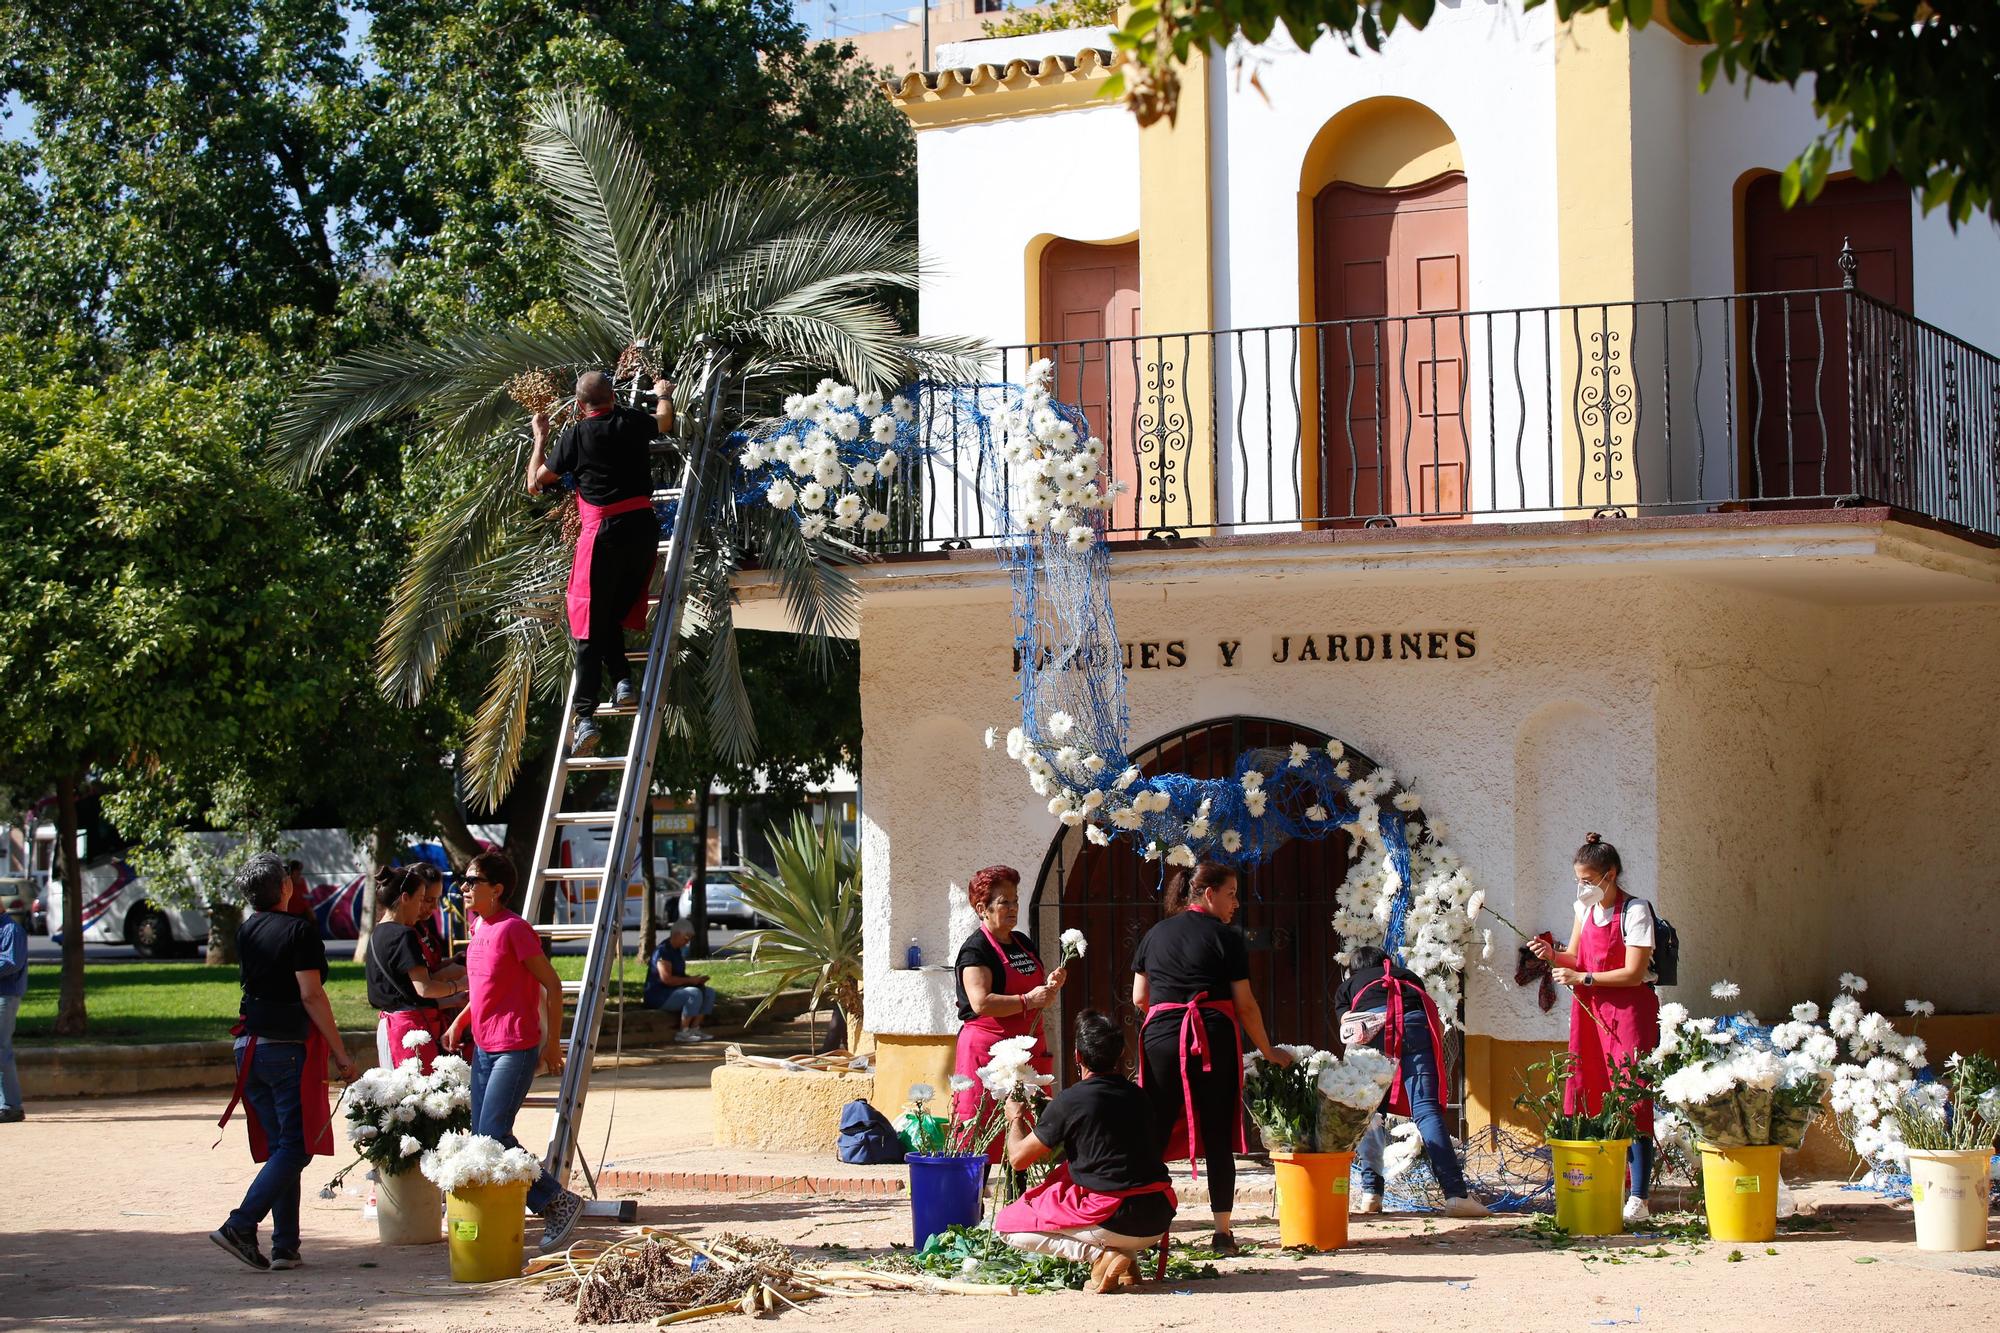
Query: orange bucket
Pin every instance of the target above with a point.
(1312, 1198)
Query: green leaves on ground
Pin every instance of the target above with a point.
(974, 1254)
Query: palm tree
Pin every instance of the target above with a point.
(759, 289)
(814, 905)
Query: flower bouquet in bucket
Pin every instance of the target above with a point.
(488, 1187)
(394, 1116)
(1948, 1127)
(1311, 1114)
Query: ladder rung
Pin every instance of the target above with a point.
(667, 493)
(573, 873)
(596, 763)
(541, 1099)
(567, 930)
(587, 818)
(572, 988)
(618, 710)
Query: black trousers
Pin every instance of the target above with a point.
(1218, 1102)
(620, 562)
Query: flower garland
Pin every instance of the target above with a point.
(832, 460)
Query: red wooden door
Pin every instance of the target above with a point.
(1392, 382)
(1796, 384)
(1090, 295)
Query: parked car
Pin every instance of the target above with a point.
(725, 899)
(17, 899)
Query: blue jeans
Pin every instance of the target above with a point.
(687, 1001)
(10, 1081)
(1422, 1083)
(271, 1091)
(500, 1083)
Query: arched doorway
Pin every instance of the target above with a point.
(1112, 895)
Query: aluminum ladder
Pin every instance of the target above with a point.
(604, 925)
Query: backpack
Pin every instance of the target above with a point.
(1666, 950)
(866, 1137)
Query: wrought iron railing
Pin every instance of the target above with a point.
(1786, 399)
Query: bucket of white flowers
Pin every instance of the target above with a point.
(394, 1116)
(1948, 1128)
(487, 1187)
(1311, 1114)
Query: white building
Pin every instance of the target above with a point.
(1484, 411)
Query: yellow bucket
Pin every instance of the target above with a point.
(1312, 1198)
(1740, 1187)
(485, 1227)
(1590, 1185)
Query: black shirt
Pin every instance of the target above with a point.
(1104, 1125)
(609, 454)
(272, 949)
(1189, 953)
(978, 951)
(1377, 997)
(393, 950)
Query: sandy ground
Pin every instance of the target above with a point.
(108, 1203)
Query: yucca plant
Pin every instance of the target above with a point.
(747, 296)
(814, 905)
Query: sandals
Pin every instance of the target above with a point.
(1111, 1271)
(1224, 1244)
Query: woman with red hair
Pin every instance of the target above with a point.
(1001, 989)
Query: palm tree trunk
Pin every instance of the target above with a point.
(847, 994)
(71, 1016)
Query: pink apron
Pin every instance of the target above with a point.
(1392, 1036)
(1185, 1141)
(1627, 1019)
(402, 1022)
(977, 1036)
(1060, 1204)
(578, 597)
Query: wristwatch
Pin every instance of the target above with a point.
(1590, 978)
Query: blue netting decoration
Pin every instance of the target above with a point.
(1036, 473)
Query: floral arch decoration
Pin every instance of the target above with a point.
(832, 461)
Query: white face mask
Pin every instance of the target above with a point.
(1590, 895)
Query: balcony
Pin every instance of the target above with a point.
(1760, 401)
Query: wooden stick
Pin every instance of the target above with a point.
(698, 1312)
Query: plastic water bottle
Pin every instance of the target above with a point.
(913, 957)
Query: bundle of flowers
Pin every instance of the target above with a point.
(1878, 1065)
(1009, 1072)
(469, 1161)
(924, 1132)
(1318, 1103)
(1615, 1114)
(1959, 1112)
(396, 1115)
(830, 461)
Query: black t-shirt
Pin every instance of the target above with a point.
(1377, 996)
(272, 948)
(1104, 1125)
(393, 949)
(978, 951)
(1189, 953)
(609, 454)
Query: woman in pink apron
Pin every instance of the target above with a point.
(401, 982)
(1615, 1012)
(1110, 1198)
(1001, 990)
(1192, 982)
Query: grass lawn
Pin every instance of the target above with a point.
(151, 1002)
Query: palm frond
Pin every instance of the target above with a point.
(821, 600)
(500, 727)
(428, 606)
(605, 206)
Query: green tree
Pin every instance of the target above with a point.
(159, 607)
(1058, 17)
(766, 283)
(1906, 85)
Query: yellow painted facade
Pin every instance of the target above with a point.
(903, 1061)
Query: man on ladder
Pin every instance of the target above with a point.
(608, 448)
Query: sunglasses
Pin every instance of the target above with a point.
(476, 879)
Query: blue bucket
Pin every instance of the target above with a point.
(944, 1192)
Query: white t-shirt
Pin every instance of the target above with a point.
(1638, 921)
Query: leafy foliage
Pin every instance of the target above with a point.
(1061, 16)
(1614, 1117)
(975, 1254)
(1906, 85)
(814, 900)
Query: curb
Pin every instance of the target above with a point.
(745, 1182)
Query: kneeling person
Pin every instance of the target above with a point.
(1109, 1198)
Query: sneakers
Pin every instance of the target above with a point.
(12, 1115)
(1367, 1202)
(1224, 1244)
(242, 1244)
(1636, 1211)
(624, 696)
(283, 1259)
(692, 1035)
(1465, 1208)
(583, 741)
(559, 1219)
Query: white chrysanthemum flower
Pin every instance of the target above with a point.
(1853, 984)
(862, 472)
(1061, 724)
(1408, 801)
(782, 494)
(842, 396)
(812, 496)
(1017, 743)
(750, 459)
(1808, 1012)
(992, 737)
(1072, 941)
(868, 404)
(922, 1092)
(847, 428)
(885, 466)
(1297, 757)
(1096, 834)
(1181, 855)
(847, 510)
(874, 521)
(1919, 1008)
(903, 408)
(813, 527)
(1080, 539)
(1475, 904)
(409, 1147)
(1127, 818)
(1253, 802)
(1093, 763)
(795, 407)
(1253, 781)
(1232, 841)
(828, 473)
(1127, 778)
(417, 1040)
(1316, 813)
(962, 1083)
(1725, 990)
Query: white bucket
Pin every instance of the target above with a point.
(1949, 1193)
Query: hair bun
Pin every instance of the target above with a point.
(1589, 838)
